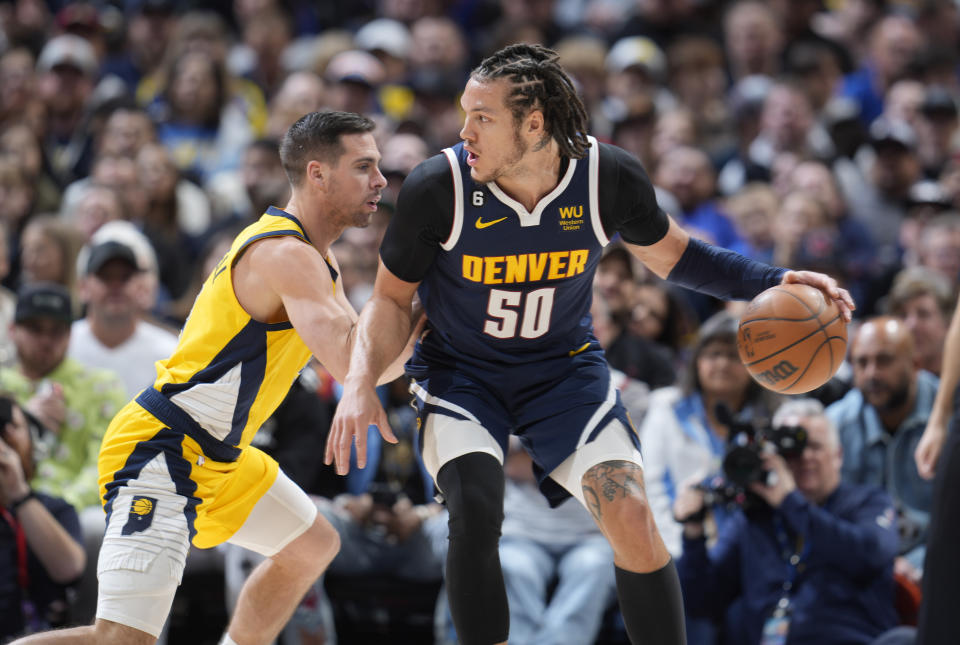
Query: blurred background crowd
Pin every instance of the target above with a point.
(137, 137)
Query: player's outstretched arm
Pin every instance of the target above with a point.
(931, 442)
(723, 273)
(382, 334)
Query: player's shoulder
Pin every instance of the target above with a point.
(430, 173)
(614, 159)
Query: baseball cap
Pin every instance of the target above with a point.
(355, 66)
(68, 49)
(636, 51)
(938, 101)
(126, 234)
(104, 252)
(43, 300)
(385, 34)
(886, 132)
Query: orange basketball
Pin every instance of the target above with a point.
(792, 339)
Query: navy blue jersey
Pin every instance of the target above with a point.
(515, 286)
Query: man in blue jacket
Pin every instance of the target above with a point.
(811, 563)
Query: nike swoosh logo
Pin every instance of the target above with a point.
(480, 224)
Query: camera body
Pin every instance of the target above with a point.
(749, 441)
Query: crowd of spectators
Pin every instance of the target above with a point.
(138, 136)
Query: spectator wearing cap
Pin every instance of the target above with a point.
(73, 402)
(636, 66)
(113, 335)
(937, 127)
(390, 41)
(68, 70)
(878, 194)
(353, 78)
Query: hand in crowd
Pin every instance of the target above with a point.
(13, 482)
(49, 406)
(358, 507)
(399, 521)
(902, 567)
(688, 505)
(780, 481)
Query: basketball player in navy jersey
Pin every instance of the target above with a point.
(501, 235)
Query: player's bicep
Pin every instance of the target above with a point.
(323, 319)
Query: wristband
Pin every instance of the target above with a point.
(14, 505)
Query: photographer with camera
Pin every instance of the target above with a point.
(40, 540)
(812, 563)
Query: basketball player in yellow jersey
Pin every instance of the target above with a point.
(176, 463)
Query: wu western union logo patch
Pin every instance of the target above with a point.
(526, 267)
(481, 224)
(141, 514)
(571, 217)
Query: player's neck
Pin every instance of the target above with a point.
(309, 212)
(533, 176)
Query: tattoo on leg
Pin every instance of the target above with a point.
(610, 480)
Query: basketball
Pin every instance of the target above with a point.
(792, 339)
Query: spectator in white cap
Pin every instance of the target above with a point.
(390, 41)
(68, 69)
(636, 66)
(354, 77)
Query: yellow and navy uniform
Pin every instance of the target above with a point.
(226, 376)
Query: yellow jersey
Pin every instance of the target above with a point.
(229, 372)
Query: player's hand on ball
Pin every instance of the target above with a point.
(826, 284)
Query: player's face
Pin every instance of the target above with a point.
(490, 134)
(354, 184)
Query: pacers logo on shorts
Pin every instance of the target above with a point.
(141, 515)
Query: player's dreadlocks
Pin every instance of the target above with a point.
(540, 82)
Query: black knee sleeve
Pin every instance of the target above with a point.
(473, 488)
(652, 606)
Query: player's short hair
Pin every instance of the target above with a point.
(316, 136)
(540, 83)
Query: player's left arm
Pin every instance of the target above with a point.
(671, 253)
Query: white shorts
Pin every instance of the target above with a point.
(139, 572)
(446, 438)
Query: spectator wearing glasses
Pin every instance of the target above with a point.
(813, 559)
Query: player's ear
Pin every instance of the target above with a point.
(317, 173)
(535, 124)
